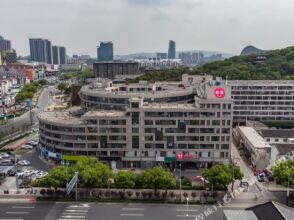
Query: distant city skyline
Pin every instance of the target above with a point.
(147, 25)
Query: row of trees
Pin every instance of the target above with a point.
(95, 174)
(64, 87)
(81, 75)
(28, 91)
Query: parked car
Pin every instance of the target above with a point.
(11, 172)
(4, 155)
(26, 146)
(6, 163)
(32, 143)
(24, 162)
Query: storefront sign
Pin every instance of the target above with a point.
(181, 156)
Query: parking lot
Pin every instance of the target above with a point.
(28, 163)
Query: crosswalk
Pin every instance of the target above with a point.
(75, 212)
(132, 212)
(16, 212)
(186, 212)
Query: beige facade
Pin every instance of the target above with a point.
(148, 124)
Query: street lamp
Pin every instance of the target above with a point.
(16, 176)
(187, 206)
(288, 186)
(180, 181)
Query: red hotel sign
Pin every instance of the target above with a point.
(219, 93)
(181, 156)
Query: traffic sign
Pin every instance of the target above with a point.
(72, 183)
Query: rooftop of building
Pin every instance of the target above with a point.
(283, 149)
(60, 117)
(272, 210)
(260, 82)
(254, 137)
(116, 62)
(240, 215)
(169, 106)
(104, 114)
(277, 133)
(166, 88)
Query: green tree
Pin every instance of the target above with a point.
(125, 180)
(58, 177)
(42, 82)
(158, 178)
(236, 174)
(284, 170)
(221, 175)
(92, 173)
(62, 86)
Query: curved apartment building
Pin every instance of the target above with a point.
(140, 125)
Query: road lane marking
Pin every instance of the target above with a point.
(133, 209)
(16, 213)
(73, 213)
(23, 207)
(73, 217)
(187, 216)
(185, 210)
(76, 210)
(134, 215)
(11, 218)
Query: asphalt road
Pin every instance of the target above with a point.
(23, 120)
(94, 211)
(36, 162)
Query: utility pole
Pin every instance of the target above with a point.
(180, 181)
(31, 116)
(16, 177)
(288, 186)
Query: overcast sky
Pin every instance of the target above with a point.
(148, 25)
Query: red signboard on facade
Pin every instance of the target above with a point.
(181, 156)
(219, 93)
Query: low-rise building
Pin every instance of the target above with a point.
(256, 149)
(140, 125)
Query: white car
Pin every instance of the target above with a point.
(4, 155)
(26, 146)
(24, 162)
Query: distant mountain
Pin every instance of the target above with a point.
(153, 55)
(250, 50)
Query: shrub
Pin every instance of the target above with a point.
(157, 194)
(185, 194)
(137, 194)
(163, 195)
(171, 194)
(50, 192)
(150, 193)
(113, 193)
(129, 193)
(144, 194)
(59, 192)
(214, 194)
(193, 194)
(107, 194)
(121, 194)
(43, 192)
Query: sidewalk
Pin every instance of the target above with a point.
(15, 145)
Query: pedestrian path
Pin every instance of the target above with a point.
(75, 212)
